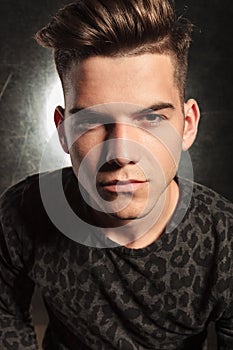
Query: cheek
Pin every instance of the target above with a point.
(167, 156)
(75, 155)
(84, 152)
(162, 154)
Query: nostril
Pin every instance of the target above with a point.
(121, 151)
(119, 161)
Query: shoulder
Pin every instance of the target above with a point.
(211, 222)
(214, 217)
(24, 221)
(208, 217)
(15, 194)
(208, 202)
(202, 209)
(23, 199)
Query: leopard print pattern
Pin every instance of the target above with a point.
(161, 297)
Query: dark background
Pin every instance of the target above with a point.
(27, 78)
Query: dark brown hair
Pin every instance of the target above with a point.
(88, 28)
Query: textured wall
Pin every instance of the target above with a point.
(27, 78)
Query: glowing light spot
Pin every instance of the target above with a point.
(54, 98)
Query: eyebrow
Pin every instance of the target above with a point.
(155, 107)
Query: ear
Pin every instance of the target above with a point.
(192, 117)
(59, 116)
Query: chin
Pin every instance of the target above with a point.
(129, 215)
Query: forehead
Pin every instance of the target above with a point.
(130, 79)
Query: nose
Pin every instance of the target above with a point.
(121, 149)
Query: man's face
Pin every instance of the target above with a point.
(125, 128)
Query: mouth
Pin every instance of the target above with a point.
(119, 186)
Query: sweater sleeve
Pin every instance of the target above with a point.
(16, 288)
(224, 326)
(224, 330)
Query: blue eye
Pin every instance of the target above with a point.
(152, 117)
(149, 120)
(86, 122)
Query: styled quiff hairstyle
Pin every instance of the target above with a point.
(112, 28)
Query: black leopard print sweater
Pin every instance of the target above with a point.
(161, 297)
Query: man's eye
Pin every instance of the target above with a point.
(92, 122)
(87, 123)
(149, 120)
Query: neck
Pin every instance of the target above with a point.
(160, 215)
(137, 233)
(172, 196)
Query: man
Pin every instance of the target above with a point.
(127, 254)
